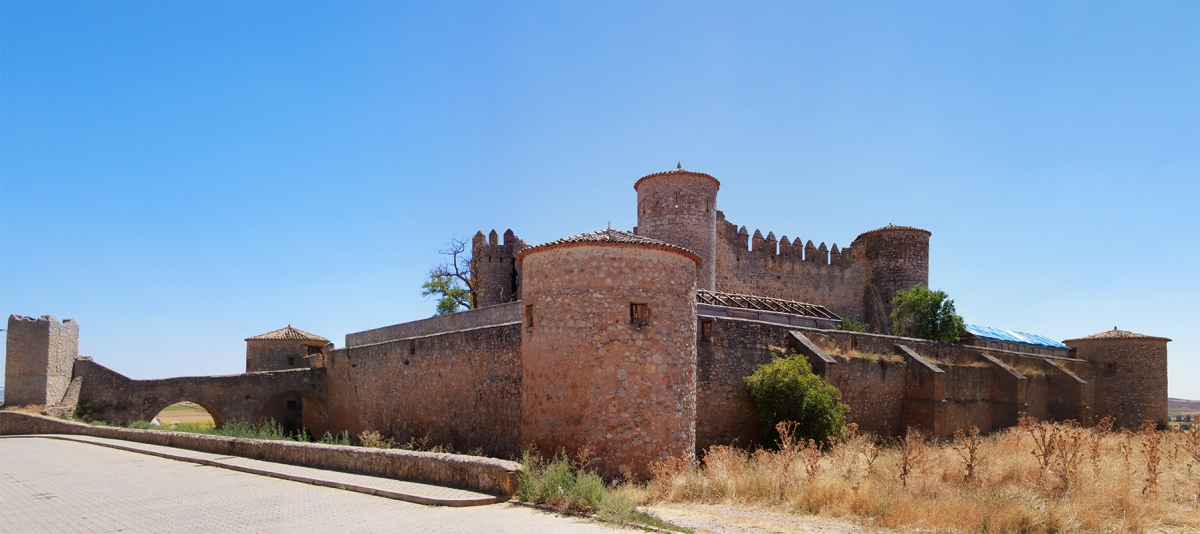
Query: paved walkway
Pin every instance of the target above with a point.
(51, 485)
(371, 485)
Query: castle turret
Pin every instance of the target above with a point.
(286, 348)
(494, 268)
(680, 207)
(608, 349)
(1129, 375)
(898, 258)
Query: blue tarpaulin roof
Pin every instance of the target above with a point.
(1013, 336)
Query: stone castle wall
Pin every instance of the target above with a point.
(464, 320)
(592, 377)
(41, 354)
(460, 388)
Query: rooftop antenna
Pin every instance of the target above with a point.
(679, 165)
(610, 225)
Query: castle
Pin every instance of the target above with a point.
(634, 345)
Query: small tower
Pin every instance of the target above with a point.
(608, 349)
(680, 207)
(1129, 375)
(494, 270)
(40, 359)
(286, 348)
(898, 258)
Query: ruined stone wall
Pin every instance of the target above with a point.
(780, 269)
(593, 377)
(459, 388)
(40, 355)
(1130, 377)
(453, 322)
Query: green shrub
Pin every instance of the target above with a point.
(852, 324)
(145, 425)
(786, 389)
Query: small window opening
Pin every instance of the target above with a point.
(313, 349)
(1110, 368)
(412, 348)
(706, 330)
(676, 200)
(293, 405)
(529, 316)
(292, 361)
(639, 314)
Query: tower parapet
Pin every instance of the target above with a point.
(680, 208)
(494, 268)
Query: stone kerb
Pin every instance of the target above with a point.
(500, 477)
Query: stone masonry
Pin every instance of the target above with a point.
(633, 346)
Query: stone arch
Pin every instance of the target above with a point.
(295, 411)
(217, 416)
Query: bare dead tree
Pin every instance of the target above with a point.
(457, 267)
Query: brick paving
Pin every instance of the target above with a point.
(49, 485)
(373, 485)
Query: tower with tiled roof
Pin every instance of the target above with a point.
(1129, 381)
(286, 348)
(608, 349)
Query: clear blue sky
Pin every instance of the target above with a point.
(179, 176)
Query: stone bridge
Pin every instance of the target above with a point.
(294, 398)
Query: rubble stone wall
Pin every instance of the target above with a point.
(459, 388)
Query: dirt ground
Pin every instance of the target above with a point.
(718, 519)
(184, 412)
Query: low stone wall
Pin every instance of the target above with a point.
(464, 320)
(489, 475)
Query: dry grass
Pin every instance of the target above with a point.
(1038, 477)
(28, 408)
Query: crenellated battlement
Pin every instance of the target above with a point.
(782, 249)
(494, 267)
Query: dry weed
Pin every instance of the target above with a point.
(1130, 487)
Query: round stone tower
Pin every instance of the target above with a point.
(1129, 375)
(680, 207)
(608, 357)
(898, 258)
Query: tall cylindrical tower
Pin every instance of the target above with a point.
(680, 207)
(1129, 373)
(608, 349)
(898, 257)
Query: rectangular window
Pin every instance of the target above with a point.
(706, 330)
(292, 361)
(639, 314)
(313, 349)
(529, 316)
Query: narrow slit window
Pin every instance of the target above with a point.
(412, 347)
(706, 330)
(529, 316)
(639, 314)
(677, 200)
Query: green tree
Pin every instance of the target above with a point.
(451, 281)
(852, 324)
(786, 389)
(926, 314)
